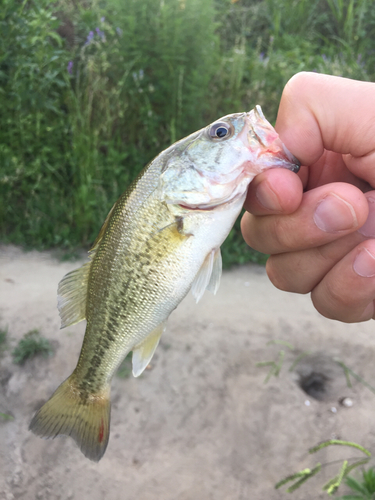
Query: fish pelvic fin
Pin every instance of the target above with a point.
(86, 418)
(143, 352)
(208, 277)
(217, 268)
(72, 294)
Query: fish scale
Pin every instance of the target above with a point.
(161, 239)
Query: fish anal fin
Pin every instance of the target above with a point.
(86, 418)
(217, 268)
(143, 352)
(71, 296)
(203, 277)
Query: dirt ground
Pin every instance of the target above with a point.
(200, 423)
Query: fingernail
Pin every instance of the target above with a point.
(368, 228)
(267, 198)
(333, 214)
(364, 264)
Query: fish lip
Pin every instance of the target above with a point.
(296, 164)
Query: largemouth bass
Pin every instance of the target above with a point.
(161, 239)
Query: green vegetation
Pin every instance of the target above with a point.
(333, 484)
(31, 345)
(92, 91)
(363, 489)
(6, 417)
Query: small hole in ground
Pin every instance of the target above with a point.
(314, 384)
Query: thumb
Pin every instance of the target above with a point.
(322, 112)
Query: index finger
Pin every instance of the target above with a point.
(319, 112)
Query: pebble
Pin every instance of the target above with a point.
(347, 402)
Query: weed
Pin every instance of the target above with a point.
(31, 345)
(6, 417)
(364, 489)
(333, 484)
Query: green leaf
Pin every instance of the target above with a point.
(355, 485)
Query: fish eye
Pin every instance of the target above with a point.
(220, 130)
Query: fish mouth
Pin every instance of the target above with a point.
(205, 207)
(199, 208)
(264, 139)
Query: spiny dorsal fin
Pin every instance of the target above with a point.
(103, 229)
(71, 296)
(72, 289)
(143, 352)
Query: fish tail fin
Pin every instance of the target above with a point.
(86, 418)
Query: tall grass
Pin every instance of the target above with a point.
(92, 91)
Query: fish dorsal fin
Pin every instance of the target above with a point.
(71, 296)
(103, 229)
(217, 267)
(143, 352)
(72, 289)
(203, 277)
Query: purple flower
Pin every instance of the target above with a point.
(70, 67)
(102, 19)
(119, 31)
(100, 33)
(90, 37)
(261, 57)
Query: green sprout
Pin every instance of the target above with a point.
(6, 417)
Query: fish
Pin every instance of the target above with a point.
(160, 240)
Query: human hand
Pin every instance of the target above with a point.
(319, 226)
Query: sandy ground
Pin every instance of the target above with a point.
(200, 423)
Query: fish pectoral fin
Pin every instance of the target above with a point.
(175, 229)
(71, 296)
(217, 268)
(208, 276)
(143, 352)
